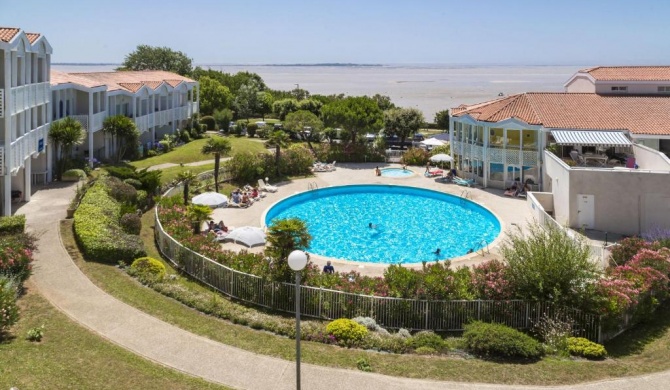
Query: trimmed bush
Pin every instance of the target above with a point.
(346, 331)
(209, 122)
(131, 223)
(121, 191)
(147, 270)
(97, 228)
(133, 182)
(496, 340)
(427, 339)
(579, 346)
(12, 225)
(252, 128)
(425, 351)
(74, 175)
(142, 199)
(9, 311)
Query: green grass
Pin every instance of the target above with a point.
(72, 357)
(647, 353)
(171, 173)
(191, 152)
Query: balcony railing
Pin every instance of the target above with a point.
(26, 145)
(97, 121)
(2, 160)
(2, 103)
(27, 96)
(83, 119)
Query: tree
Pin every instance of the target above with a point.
(186, 178)
(353, 114)
(65, 134)
(299, 120)
(213, 96)
(283, 107)
(246, 101)
(384, 102)
(311, 105)
(284, 236)
(545, 264)
(147, 57)
(265, 101)
(279, 140)
(223, 118)
(197, 213)
(125, 133)
(442, 119)
(402, 122)
(217, 146)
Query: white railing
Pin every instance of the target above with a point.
(180, 113)
(2, 160)
(97, 121)
(162, 117)
(194, 107)
(27, 96)
(142, 122)
(26, 145)
(83, 119)
(2, 103)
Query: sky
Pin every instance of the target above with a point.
(514, 32)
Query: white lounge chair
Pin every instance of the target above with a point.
(266, 187)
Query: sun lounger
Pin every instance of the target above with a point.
(463, 182)
(266, 187)
(434, 172)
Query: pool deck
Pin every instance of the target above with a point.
(510, 211)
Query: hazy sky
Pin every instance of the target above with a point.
(606, 32)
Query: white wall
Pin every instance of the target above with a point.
(649, 158)
(580, 84)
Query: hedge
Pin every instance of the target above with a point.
(74, 175)
(497, 340)
(98, 231)
(14, 224)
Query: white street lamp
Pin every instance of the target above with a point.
(297, 260)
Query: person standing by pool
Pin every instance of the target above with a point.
(427, 167)
(328, 268)
(378, 172)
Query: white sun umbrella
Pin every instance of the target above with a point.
(246, 235)
(433, 142)
(441, 157)
(211, 199)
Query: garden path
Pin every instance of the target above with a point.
(66, 287)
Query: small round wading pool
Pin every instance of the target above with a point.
(388, 224)
(396, 172)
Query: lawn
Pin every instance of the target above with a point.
(169, 174)
(72, 357)
(642, 354)
(191, 152)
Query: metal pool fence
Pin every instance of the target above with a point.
(393, 313)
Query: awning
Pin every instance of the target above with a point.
(590, 138)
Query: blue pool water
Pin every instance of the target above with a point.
(409, 223)
(396, 172)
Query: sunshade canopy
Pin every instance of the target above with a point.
(211, 199)
(590, 138)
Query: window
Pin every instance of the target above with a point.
(619, 89)
(665, 89)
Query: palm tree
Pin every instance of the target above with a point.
(217, 146)
(279, 140)
(125, 133)
(186, 178)
(198, 213)
(285, 236)
(65, 134)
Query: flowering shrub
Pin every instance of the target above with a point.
(415, 156)
(16, 256)
(147, 269)
(489, 281)
(9, 312)
(626, 249)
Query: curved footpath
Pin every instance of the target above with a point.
(66, 287)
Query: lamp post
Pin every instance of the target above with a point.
(297, 260)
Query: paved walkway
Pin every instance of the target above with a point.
(66, 287)
(193, 164)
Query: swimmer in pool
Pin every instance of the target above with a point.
(437, 252)
(371, 226)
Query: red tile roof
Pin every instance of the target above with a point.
(32, 37)
(629, 73)
(8, 33)
(589, 111)
(130, 81)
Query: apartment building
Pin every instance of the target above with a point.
(25, 61)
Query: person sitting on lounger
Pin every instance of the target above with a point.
(237, 198)
(255, 195)
(222, 226)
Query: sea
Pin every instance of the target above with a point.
(430, 88)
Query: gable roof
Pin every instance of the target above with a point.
(130, 81)
(629, 73)
(32, 37)
(588, 111)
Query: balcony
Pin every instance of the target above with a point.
(98, 119)
(27, 96)
(144, 122)
(26, 145)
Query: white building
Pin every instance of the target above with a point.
(159, 102)
(25, 61)
(606, 168)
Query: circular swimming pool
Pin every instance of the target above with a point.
(388, 224)
(396, 172)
